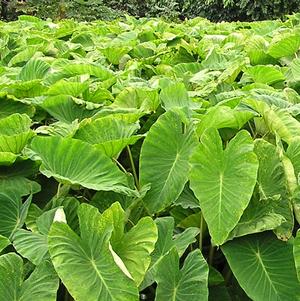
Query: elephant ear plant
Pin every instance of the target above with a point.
(149, 160)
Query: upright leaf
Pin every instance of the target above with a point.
(88, 260)
(175, 95)
(135, 246)
(165, 242)
(214, 176)
(189, 283)
(164, 161)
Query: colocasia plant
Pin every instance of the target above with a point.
(147, 160)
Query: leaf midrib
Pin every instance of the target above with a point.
(258, 256)
(101, 278)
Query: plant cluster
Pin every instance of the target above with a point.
(149, 159)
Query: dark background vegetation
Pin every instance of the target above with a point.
(215, 10)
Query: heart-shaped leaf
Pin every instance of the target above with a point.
(214, 180)
(88, 260)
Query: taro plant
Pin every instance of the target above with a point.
(149, 160)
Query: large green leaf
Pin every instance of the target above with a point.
(17, 185)
(214, 180)
(14, 134)
(76, 162)
(65, 109)
(295, 69)
(277, 121)
(165, 242)
(9, 106)
(88, 260)
(34, 69)
(272, 183)
(189, 283)
(264, 267)
(4, 242)
(224, 117)
(135, 246)
(145, 99)
(175, 95)
(293, 153)
(296, 252)
(270, 208)
(265, 74)
(109, 134)
(28, 89)
(12, 212)
(164, 161)
(115, 53)
(64, 87)
(32, 246)
(285, 45)
(41, 285)
(98, 71)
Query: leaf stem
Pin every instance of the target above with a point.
(132, 206)
(120, 165)
(58, 190)
(211, 254)
(137, 183)
(228, 275)
(252, 130)
(201, 232)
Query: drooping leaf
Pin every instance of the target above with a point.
(277, 121)
(65, 109)
(187, 199)
(76, 162)
(34, 69)
(9, 106)
(213, 179)
(295, 69)
(17, 185)
(265, 74)
(115, 53)
(270, 263)
(166, 149)
(70, 206)
(109, 134)
(87, 259)
(272, 184)
(189, 283)
(286, 45)
(64, 87)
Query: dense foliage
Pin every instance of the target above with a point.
(216, 10)
(244, 10)
(147, 158)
